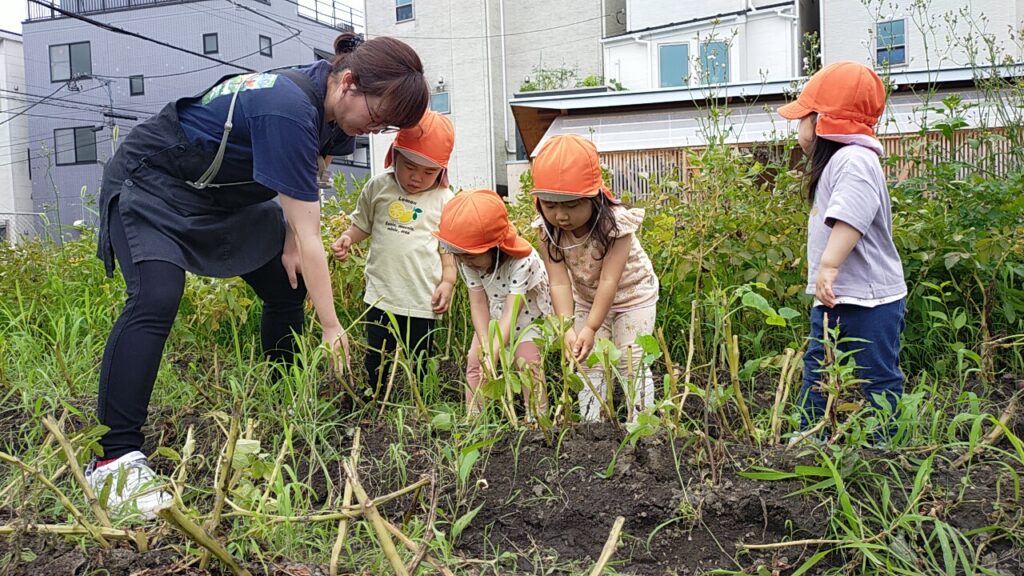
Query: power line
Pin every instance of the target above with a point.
(117, 30)
(75, 105)
(33, 105)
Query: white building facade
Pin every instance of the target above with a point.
(902, 35)
(476, 55)
(689, 43)
(16, 218)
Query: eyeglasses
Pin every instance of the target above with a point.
(376, 125)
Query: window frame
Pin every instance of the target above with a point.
(72, 74)
(890, 47)
(216, 41)
(448, 101)
(683, 80)
(400, 4)
(74, 135)
(131, 85)
(270, 46)
(706, 77)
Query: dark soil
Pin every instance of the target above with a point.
(549, 501)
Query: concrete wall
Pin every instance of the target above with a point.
(462, 41)
(116, 57)
(15, 186)
(935, 34)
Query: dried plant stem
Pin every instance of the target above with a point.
(93, 531)
(175, 517)
(689, 349)
(346, 501)
(72, 459)
(391, 383)
(350, 512)
(429, 530)
(223, 479)
(781, 393)
(411, 546)
(186, 454)
(734, 375)
(278, 464)
(609, 547)
(670, 368)
(376, 520)
(68, 530)
(993, 436)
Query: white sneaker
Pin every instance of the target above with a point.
(134, 487)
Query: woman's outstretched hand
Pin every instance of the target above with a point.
(337, 341)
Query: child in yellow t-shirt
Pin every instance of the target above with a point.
(406, 274)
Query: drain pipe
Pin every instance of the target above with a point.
(490, 103)
(504, 76)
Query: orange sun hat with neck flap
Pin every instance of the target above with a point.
(428, 143)
(568, 168)
(476, 221)
(848, 96)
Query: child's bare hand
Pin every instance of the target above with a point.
(584, 344)
(442, 297)
(341, 246)
(823, 285)
(569, 339)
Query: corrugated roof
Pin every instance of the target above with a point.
(671, 117)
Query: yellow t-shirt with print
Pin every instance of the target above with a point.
(403, 266)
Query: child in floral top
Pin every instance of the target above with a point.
(600, 275)
(507, 282)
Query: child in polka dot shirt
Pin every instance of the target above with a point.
(507, 282)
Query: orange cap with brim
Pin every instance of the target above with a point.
(567, 168)
(848, 97)
(429, 143)
(475, 221)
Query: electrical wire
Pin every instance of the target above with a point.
(117, 30)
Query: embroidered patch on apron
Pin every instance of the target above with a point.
(231, 84)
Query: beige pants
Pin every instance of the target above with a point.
(622, 328)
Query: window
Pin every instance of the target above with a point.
(210, 44)
(69, 61)
(440, 102)
(891, 47)
(75, 145)
(136, 85)
(714, 62)
(266, 46)
(403, 10)
(673, 64)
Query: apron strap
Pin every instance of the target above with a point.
(211, 172)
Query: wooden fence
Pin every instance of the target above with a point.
(992, 152)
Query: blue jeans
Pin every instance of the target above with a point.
(878, 359)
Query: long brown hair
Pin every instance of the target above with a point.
(601, 223)
(387, 68)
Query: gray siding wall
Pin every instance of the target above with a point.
(169, 74)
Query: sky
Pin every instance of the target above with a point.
(12, 12)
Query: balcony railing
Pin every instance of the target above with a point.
(331, 13)
(40, 12)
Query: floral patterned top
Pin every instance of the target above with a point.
(638, 286)
(526, 276)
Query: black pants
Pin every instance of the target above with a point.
(416, 334)
(136, 343)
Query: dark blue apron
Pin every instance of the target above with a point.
(227, 229)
